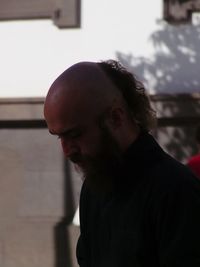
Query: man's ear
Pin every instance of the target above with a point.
(116, 117)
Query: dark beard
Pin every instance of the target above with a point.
(100, 171)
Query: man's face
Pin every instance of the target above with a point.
(100, 165)
(88, 143)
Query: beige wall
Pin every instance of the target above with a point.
(37, 196)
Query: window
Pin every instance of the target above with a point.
(180, 11)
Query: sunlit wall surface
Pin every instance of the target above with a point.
(34, 52)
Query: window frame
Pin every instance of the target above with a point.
(180, 11)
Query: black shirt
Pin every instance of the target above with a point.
(152, 218)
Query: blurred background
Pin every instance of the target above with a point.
(39, 191)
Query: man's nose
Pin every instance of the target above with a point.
(69, 147)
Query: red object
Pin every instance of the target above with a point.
(194, 164)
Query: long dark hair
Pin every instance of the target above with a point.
(133, 92)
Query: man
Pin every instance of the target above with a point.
(194, 161)
(138, 206)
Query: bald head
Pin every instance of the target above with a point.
(86, 85)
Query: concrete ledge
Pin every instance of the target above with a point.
(21, 108)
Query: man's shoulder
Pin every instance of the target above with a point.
(171, 175)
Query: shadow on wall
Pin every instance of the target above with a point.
(176, 63)
(171, 76)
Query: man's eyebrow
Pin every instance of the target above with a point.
(65, 132)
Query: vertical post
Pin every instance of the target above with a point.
(61, 231)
